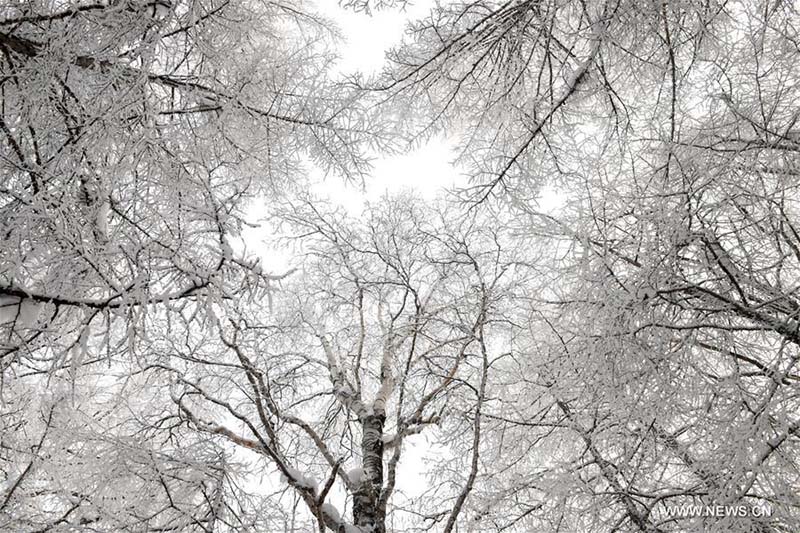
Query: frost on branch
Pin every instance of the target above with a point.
(331, 512)
(299, 479)
(334, 520)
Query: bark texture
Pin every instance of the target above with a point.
(366, 509)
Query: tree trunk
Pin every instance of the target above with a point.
(366, 512)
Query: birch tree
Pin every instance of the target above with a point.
(392, 331)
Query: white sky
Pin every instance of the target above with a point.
(427, 169)
(368, 37)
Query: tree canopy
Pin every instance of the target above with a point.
(623, 358)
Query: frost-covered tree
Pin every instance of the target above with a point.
(133, 137)
(587, 366)
(393, 326)
(662, 365)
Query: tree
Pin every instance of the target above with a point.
(394, 327)
(665, 348)
(134, 136)
(598, 365)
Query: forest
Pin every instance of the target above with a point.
(597, 332)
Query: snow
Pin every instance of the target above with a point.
(227, 251)
(101, 220)
(331, 511)
(355, 475)
(300, 479)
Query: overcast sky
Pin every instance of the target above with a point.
(427, 169)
